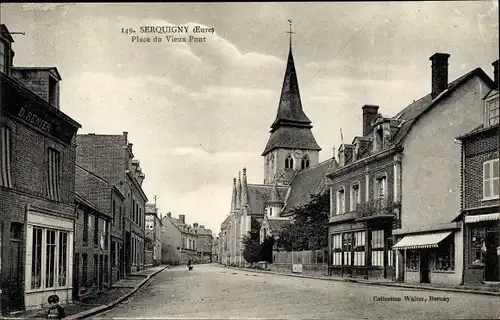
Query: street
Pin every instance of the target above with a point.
(210, 291)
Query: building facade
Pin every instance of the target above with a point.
(480, 194)
(37, 201)
(123, 171)
(171, 239)
(153, 229)
(429, 242)
(92, 269)
(204, 243)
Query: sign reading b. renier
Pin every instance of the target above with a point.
(35, 120)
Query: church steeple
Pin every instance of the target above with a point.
(233, 200)
(291, 130)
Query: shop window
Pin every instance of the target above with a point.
(359, 248)
(412, 260)
(445, 256)
(50, 266)
(347, 248)
(377, 243)
(478, 246)
(63, 258)
(36, 259)
(337, 249)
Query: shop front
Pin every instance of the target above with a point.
(432, 256)
(49, 256)
(482, 238)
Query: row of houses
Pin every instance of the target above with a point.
(414, 198)
(74, 218)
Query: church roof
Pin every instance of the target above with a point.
(307, 182)
(259, 194)
(291, 128)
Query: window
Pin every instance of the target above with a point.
(5, 154)
(36, 259)
(478, 245)
(84, 270)
(63, 258)
(113, 210)
(355, 196)
(337, 249)
(412, 260)
(53, 174)
(305, 162)
(86, 227)
(106, 234)
(359, 248)
(490, 179)
(96, 269)
(96, 232)
(445, 255)
(389, 252)
(340, 201)
(50, 266)
(16, 230)
(377, 244)
(380, 190)
(289, 162)
(120, 223)
(347, 247)
(492, 112)
(3, 57)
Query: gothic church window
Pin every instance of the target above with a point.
(305, 162)
(289, 162)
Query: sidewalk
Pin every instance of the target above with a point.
(475, 289)
(117, 293)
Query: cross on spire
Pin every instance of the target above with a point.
(290, 32)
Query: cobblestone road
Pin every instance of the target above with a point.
(213, 292)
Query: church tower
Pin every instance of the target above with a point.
(291, 146)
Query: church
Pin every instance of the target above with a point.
(292, 172)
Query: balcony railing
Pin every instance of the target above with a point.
(375, 208)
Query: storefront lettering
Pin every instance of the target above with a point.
(34, 120)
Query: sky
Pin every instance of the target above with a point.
(197, 113)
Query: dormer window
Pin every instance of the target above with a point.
(289, 162)
(305, 162)
(491, 112)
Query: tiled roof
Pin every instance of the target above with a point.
(477, 130)
(258, 194)
(277, 224)
(414, 111)
(291, 138)
(309, 181)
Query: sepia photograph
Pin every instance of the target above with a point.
(246, 160)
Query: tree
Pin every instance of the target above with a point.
(265, 252)
(309, 230)
(251, 242)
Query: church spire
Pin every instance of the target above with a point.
(244, 189)
(233, 200)
(292, 128)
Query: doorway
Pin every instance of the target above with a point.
(14, 275)
(492, 265)
(424, 266)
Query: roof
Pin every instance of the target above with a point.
(259, 194)
(277, 224)
(414, 111)
(291, 128)
(309, 181)
(477, 130)
(5, 32)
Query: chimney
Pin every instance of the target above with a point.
(370, 113)
(202, 226)
(195, 225)
(495, 74)
(439, 73)
(182, 218)
(169, 214)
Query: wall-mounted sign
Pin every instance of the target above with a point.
(297, 268)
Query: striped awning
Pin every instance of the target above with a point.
(482, 217)
(420, 241)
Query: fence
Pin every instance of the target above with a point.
(301, 257)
